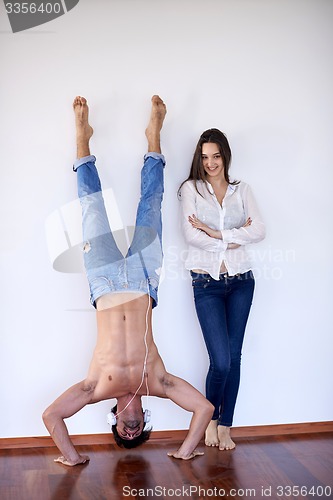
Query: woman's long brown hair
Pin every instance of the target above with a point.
(197, 171)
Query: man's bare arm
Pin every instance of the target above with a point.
(186, 396)
(69, 403)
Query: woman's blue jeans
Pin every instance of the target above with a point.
(107, 269)
(223, 308)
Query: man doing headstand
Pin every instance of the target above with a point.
(125, 364)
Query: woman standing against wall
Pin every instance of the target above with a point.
(220, 217)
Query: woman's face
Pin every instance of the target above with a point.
(211, 160)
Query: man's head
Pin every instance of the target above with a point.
(129, 430)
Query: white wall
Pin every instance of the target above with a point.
(258, 69)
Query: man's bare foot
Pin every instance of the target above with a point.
(158, 112)
(211, 436)
(83, 130)
(226, 443)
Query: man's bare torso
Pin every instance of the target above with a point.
(117, 365)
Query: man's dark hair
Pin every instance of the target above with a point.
(129, 443)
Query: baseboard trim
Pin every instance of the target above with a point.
(172, 435)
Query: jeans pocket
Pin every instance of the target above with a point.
(101, 284)
(200, 282)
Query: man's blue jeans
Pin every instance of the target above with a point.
(107, 269)
(223, 308)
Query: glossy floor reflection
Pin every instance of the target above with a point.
(275, 468)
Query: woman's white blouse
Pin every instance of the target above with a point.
(207, 253)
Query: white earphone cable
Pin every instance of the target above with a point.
(144, 374)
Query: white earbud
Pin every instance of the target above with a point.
(146, 416)
(111, 419)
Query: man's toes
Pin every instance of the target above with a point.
(79, 101)
(157, 100)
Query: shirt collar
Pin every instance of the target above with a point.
(231, 187)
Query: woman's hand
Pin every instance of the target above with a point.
(81, 460)
(176, 454)
(248, 222)
(198, 224)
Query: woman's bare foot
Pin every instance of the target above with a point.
(83, 130)
(226, 443)
(158, 112)
(211, 436)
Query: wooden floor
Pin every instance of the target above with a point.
(260, 467)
